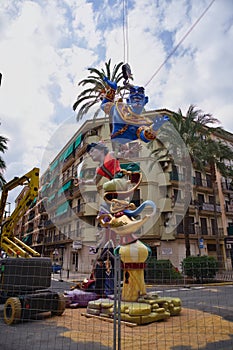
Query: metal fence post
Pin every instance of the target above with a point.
(117, 304)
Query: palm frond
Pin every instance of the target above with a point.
(81, 100)
(96, 71)
(3, 144)
(84, 109)
(107, 67)
(2, 181)
(116, 75)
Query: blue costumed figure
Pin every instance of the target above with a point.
(129, 123)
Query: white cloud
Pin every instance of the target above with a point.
(47, 46)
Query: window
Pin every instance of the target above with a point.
(198, 178)
(204, 230)
(174, 173)
(213, 227)
(180, 224)
(211, 247)
(177, 195)
(211, 199)
(208, 180)
(191, 226)
(200, 198)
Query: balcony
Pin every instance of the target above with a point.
(90, 208)
(210, 232)
(79, 209)
(210, 207)
(68, 162)
(230, 230)
(229, 209)
(58, 238)
(30, 229)
(202, 184)
(177, 177)
(31, 215)
(48, 223)
(91, 138)
(41, 209)
(227, 187)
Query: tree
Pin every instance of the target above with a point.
(97, 87)
(215, 154)
(193, 129)
(3, 148)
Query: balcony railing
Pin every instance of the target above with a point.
(31, 215)
(227, 186)
(79, 209)
(209, 207)
(174, 176)
(229, 208)
(210, 231)
(202, 182)
(201, 231)
(57, 238)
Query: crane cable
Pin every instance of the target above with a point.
(125, 31)
(180, 42)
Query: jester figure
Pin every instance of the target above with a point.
(129, 123)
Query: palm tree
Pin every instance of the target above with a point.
(187, 150)
(3, 148)
(97, 87)
(215, 153)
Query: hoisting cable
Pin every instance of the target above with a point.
(180, 42)
(125, 31)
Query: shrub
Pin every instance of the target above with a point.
(200, 267)
(160, 270)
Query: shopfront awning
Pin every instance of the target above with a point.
(54, 165)
(62, 209)
(64, 187)
(51, 197)
(78, 141)
(27, 239)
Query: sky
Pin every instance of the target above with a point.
(46, 47)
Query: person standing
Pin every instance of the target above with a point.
(99, 275)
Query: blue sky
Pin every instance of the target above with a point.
(47, 45)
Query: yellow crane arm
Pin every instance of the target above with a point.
(12, 245)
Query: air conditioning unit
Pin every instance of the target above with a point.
(228, 245)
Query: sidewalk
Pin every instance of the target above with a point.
(68, 276)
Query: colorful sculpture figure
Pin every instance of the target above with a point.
(120, 217)
(129, 123)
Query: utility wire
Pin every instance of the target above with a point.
(180, 42)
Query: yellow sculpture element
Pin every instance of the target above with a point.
(122, 225)
(133, 256)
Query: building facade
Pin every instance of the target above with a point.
(62, 223)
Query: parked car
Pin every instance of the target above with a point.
(56, 268)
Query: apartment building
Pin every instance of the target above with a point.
(62, 224)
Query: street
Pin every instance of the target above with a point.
(73, 332)
(213, 299)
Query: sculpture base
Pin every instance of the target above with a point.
(149, 308)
